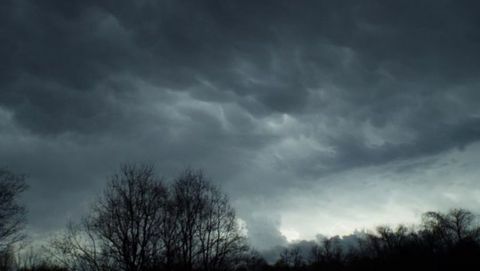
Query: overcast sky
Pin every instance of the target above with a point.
(314, 116)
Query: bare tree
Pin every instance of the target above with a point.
(169, 235)
(291, 258)
(139, 224)
(28, 258)
(7, 259)
(252, 260)
(36, 258)
(128, 217)
(12, 213)
(451, 227)
(209, 235)
(123, 230)
(327, 253)
(79, 248)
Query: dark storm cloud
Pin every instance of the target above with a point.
(241, 88)
(64, 61)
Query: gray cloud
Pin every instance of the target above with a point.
(272, 98)
(263, 232)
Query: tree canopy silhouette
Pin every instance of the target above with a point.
(140, 223)
(12, 213)
(143, 223)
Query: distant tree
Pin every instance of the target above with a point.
(12, 213)
(284, 262)
(7, 259)
(291, 259)
(79, 248)
(451, 227)
(327, 254)
(34, 258)
(28, 258)
(388, 239)
(252, 261)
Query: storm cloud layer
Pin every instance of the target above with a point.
(327, 113)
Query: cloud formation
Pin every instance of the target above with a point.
(272, 98)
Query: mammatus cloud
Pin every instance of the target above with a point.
(273, 99)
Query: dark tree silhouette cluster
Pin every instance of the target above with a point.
(444, 241)
(12, 216)
(12, 213)
(141, 224)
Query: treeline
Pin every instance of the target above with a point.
(142, 223)
(443, 241)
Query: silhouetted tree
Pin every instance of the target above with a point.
(291, 259)
(252, 261)
(141, 224)
(326, 255)
(28, 258)
(451, 227)
(122, 231)
(444, 241)
(128, 217)
(35, 259)
(79, 248)
(209, 235)
(7, 259)
(12, 213)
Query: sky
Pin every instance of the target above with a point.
(315, 117)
